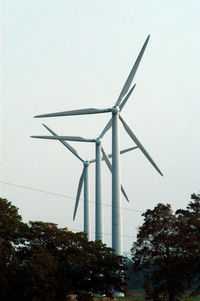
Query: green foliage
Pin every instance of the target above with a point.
(11, 228)
(58, 262)
(40, 261)
(167, 249)
(189, 221)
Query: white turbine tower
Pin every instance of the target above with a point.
(115, 110)
(98, 178)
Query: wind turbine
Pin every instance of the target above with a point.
(98, 178)
(114, 122)
(83, 180)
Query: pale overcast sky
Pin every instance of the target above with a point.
(71, 54)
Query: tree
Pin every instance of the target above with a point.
(189, 224)
(56, 262)
(39, 261)
(158, 252)
(102, 271)
(11, 229)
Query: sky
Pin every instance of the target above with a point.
(74, 54)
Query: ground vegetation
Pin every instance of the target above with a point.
(41, 262)
(167, 250)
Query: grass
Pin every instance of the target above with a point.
(141, 297)
(134, 298)
(189, 298)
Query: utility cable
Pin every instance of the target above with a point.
(108, 234)
(61, 195)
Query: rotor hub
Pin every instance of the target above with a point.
(98, 141)
(115, 109)
(86, 163)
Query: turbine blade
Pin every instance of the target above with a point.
(92, 161)
(132, 73)
(121, 152)
(128, 150)
(105, 157)
(126, 98)
(107, 127)
(138, 143)
(75, 112)
(67, 145)
(80, 185)
(68, 138)
(124, 151)
(124, 193)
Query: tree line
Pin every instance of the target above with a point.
(167, 250)
(39, 261)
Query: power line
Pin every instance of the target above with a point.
(63, 195)
(39, 190)
(60, 195)
(108, 234)
(67, 196)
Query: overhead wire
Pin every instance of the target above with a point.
(35, 189)
(108, 234)
(60, 195)
(63, 195)
(67, 196)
